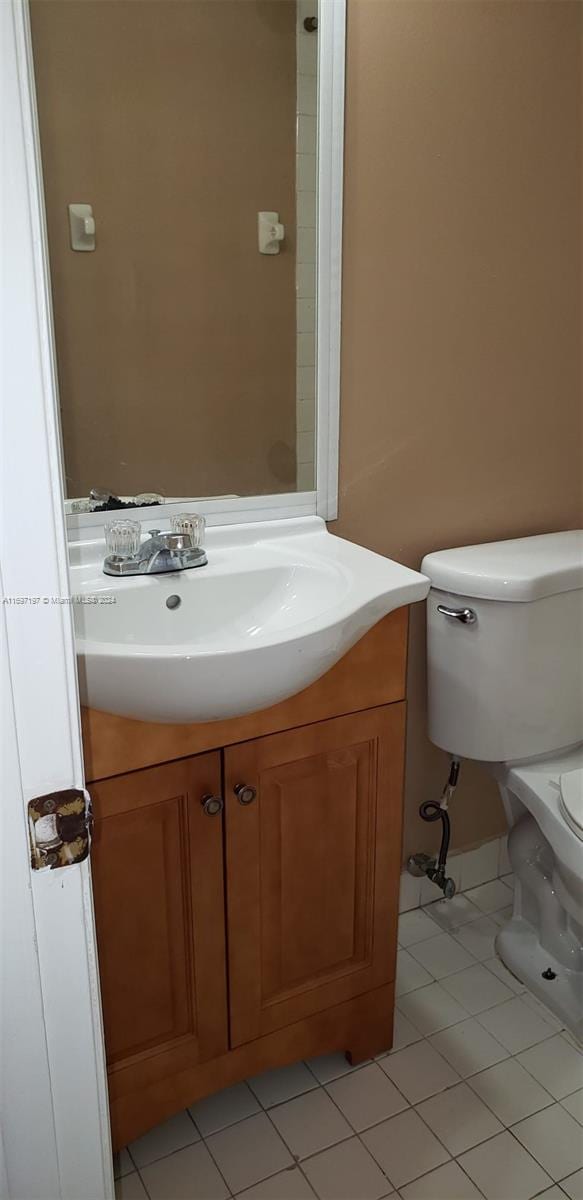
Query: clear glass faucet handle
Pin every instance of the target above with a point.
(191, 523)
(122, 537)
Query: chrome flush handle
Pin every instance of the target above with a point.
(467, 616)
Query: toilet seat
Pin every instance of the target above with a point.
(571, 800)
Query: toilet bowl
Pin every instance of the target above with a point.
(571, 799)
(505, 687)
(542, 943)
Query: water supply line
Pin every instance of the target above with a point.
(431, 810)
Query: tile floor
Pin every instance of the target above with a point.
(481, 1096)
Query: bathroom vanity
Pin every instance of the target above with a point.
(245, 877)
(243, 719)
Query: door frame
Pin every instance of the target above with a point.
(53, 1089)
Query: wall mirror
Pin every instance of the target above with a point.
(192, 162)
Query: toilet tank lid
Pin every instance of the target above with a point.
(521, 569)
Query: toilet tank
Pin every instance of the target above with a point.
(509, 684)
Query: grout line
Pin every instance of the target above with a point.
(132, 1159)
(377, 1163)
(209, 1151)
(143, 1183)
(169, 1153)
(333, 1078)
(464, 1172)
(303, 1173)
(510, 1130)
(492, 1110)
(408, 1106)
(296, 1157)
(187, 1110)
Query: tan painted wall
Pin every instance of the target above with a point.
(461, 381)
(176, 338)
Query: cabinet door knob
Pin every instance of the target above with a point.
(212, 805)
(245, 793)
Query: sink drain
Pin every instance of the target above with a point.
(173, 602)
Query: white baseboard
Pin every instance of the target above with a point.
(469, 868)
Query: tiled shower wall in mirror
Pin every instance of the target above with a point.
(306, 145)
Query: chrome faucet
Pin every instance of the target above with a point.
(160, 552)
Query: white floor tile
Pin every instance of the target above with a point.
(441, 955)
(366, 1097)
(171, 1135)
(510, 1091)
(224, 1108)
(543, 1011)
(446, 1183)
(345, 1172)
(404, 1148)
(554, 1138)
(431, 1008)
(286, 1185)
(122, 1164)
(189, 1174)
(502, 916)
(404, 1033)
(509, 880)
(504, 864)
(574, 1105)
(463, 1028)
(556, 1064)
(490, 897)
(451, 914)
(477, 988)
(415, 926)
(283, 1083)
(573, 1041)
(409, 891)
(515, 1025)
(459, 1119)
(410, 974)
(497, 967)
(480, 865)
(249, 1151)
(419, 1072)
(331, 1066)
(503, 1170)
(478, 938)
(310, 1123)
(468, 1047)
(573, 1186)
(130, 1187)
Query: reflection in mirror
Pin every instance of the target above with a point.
(184, 320)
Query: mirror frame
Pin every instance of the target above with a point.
(323, 501)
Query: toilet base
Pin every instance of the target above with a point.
(520, 950)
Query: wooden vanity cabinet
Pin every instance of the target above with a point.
(236, 940)
(310, 865)
(157, 868)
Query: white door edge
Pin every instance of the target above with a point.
(53, 1090)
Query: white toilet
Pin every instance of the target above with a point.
(505, 683)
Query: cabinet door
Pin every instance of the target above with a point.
(313, 867)
(157, 866)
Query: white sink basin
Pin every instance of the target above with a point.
(278, 604)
